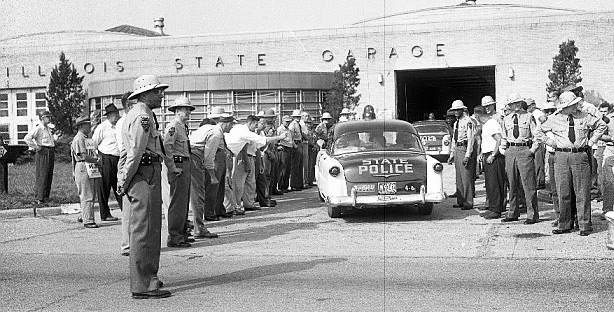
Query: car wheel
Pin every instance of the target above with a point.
(425, 209)
(334, 212)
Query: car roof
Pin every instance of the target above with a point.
(426, 122)
(371, 125)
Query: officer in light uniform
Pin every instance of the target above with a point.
(139, 179)
(177, 147)
(549, 108)
(296, 158)
(570, 127)
(607, 165)
(41, 140)
(540, 153)
(464, 155)
(518, 136)
(81, 156)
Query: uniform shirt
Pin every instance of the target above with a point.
(537, 115)
(78, 148)
(558, 125)
(489, 129)
(139, 136)
(176, 141)
(105, 139)
(205, 142)
(118, 133)
(39, 136)
(324, 133)
(296, 131)
(526, 128)
(287, 141)
(239, 136)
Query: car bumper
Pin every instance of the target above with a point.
(359, 201)
(438, 153)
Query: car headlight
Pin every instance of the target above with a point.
(438, 167)
(334, 171)
(446, 143)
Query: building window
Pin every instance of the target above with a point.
(290, 100)
(197, 99)
(4, 105)
(244, 104)
(22, 104)
(268, 99)
(22, 131)
(311, 104)
(219, 98)
(4, 133)
(41, 102)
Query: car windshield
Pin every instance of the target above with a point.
(431, 128)
(376, 141)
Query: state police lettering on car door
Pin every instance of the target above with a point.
(378, 166)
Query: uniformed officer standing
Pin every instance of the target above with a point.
(296, 158)
(285, 148)
(464, 155)
(177, 147)
(324, 130)
(83, 154)
(570, 127)
(518, 136)
(42, 141)
(140, 181)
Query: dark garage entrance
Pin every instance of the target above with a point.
(420, 92)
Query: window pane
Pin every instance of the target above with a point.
(21, 104)
(4, 97)
(40, 96)
(4, 105)
(4, 113)
(22, 96)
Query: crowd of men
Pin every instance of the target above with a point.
(571, 135)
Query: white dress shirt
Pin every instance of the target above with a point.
(240, 135)
(105, 138)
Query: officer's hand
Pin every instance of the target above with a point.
(465, 161)
(120, 190)
(450, 159)
(490, 159)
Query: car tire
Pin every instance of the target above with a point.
(425, 209)
(334, 212)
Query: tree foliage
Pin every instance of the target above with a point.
(565, 67)
(65, 95)
(343, 93)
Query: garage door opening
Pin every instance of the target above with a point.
(420, 92)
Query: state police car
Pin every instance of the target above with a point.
(377, 163)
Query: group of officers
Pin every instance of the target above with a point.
(575, 135)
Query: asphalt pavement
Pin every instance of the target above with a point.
(293, 257)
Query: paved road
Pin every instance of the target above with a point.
(294, 258)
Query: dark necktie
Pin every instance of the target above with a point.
(159, 138)
(516, 132)
(572, 130)
(456, 131)
(187, 134)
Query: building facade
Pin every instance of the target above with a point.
(410, 63)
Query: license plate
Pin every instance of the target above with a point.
(386, 188)
(433, 148)
(428, 138)
(386, 197)
(365, 188)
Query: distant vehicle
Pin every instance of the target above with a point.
(377, 163)
(436, 137)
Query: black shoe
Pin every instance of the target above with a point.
(206, 235)
(111, 218)
(226, 215)
(295, 189)
(179, 245)
(80, 220)
(214, 218)
(457, 206)
(453, 195)
(559, 231)
(90, 225)
(189, 240)
(467, 208)
(153, 294)
(277, 192)
(160, 284)
(528, 221)
(267, 204)
(252, 208)
(125, 253)
(584, 233)
(491, 215)
(506, 219)
(239, 212)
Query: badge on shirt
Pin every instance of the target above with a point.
(145, 123)
(171, 131)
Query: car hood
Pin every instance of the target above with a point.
(383, 166)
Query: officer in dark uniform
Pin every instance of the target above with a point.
(518, 136)
(139, 180)
(464, 155)
(177, 147)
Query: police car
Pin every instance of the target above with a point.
(435, 137)
(377, 163)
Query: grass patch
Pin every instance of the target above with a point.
(22, 179)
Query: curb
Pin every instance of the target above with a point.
(41, 212)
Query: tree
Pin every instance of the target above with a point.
(565, 67)
(65, 95)
(343, 92)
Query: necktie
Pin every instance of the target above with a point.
(516, 132)
(572, 130)
(159, 138)
(456, 131)
(187, 134)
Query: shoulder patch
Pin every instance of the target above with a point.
(171, 131)
(470, 125)
(145, 123)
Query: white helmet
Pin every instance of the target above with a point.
(146, 83)
(181, 101)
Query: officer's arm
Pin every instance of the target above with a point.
(97, 136)
(169, 141)
(29, 138)
(211, 145)
(138, 134)
(599, 127)
(503, 133)
(470, 138)
(540, 133)
(532, 128)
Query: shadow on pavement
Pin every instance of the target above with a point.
(250, 274)
(442, 211)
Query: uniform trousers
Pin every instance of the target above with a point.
(144, 195)
(179, 203)
(273, 158)
(230, 204)
(125, 247)
(108, 182)
(597, 178)
(200, 186)
(540, 164)
(218, 208)
(520, 170)
(465, 176)
(311, 177)
(494, 176)
(305, 165)
(44, 161)
(285, 155)
(572, 174)
(85, 187)
(608, 182)
(552, 178)
(263, 177)
(244, 181)
(296, 167)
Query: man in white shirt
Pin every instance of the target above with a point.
(127, 104)
(42, 141)
(494, 163)
(540, 153)
(105, 140)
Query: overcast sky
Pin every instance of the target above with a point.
(222, 16)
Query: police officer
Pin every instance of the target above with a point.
(177, 147)
(570, 128)
(324, 130)
(296, 158)
(42, 141)
(83, 154)
(140, 180)
(518, 137)
(464, 155)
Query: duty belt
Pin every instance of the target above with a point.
(582, 149)
(520, 144)
(147, 159)
(180, 159)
